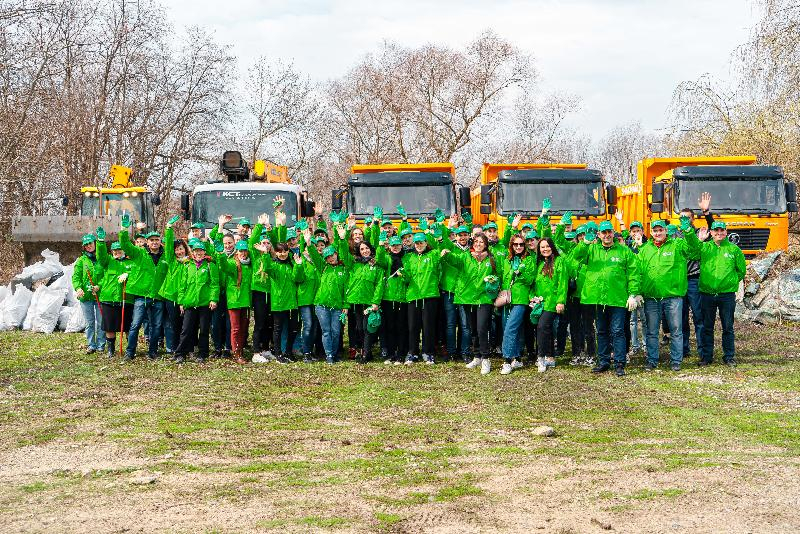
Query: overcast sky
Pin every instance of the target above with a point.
(622, 57)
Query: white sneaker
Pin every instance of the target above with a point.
(398, 362)
(541, 366)
(517, 364)
(387, 362)
(269, 356)
(506, 369)
(427, 358)
(474, 363)
(259, 358)
(486, 366)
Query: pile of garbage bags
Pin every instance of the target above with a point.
(41, 298)
(771, 289)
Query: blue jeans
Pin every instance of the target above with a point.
(513, 336)
(455, 317)
(672, 310)
(153, 311)
(692, 302)
(95, 337)
(221, 325)
(726, 304)
(309, 332)
(610, 323)
(331, 329)
(637, 318)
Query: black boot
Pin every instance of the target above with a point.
(110, 347)
(620, 369)
(601, 368)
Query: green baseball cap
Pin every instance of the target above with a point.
(419, 238)
(137, 236)
(637, 223)
(591, 225)
(657, 223)
(241, 245)
(532, 235)
(606, 225)
(88, 239)
(719, 225)
(527, 226)
(245, 222)
(198, 226)
(490, 225)
(328, 251)
(395, 240)
(461, 230)
(385, 221)
(152, 234)
(580, 230)
(406, 231)
(196, 243)
(116, 245)
(570, 235)
(291, 233)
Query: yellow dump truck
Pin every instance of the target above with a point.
(100, 206)
(506, 189)
(753, 200)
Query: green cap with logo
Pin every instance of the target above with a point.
(490, 225)
(395, 240)
(116, 245)
(461, 230)
(419, 238)
(241, 245)
(291, 233)
(532, 235)
(88, 239)
(637, 223)
(245, 222)
(658, 223)
(196, 243)
(718, 225)
(197, 226)
(406, 231)
(606, 225)
(328, 251)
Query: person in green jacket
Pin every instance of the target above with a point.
(394, 306)
(476, 291)
(86, 289)
(197, 297)
(261, 239)
(550, 289)
(422, 271)
(455, 316)
(611, 285)
(662, 263)
(329, 302)
(519, 272)
(306, 292)
(580, 316)
(112, 273)
(237, 271)
(176, 255)
(722, 268)
(285, 273)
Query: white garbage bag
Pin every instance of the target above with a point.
(15, 308)
(4, 291)
(65, 282)
(44, 309)
(42, 270)
(63, 318)
(76, 322)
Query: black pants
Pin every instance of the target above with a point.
(395, 327)
(561, 333)
(354, 337)
(367, 339)
(582, 328)
(279, 318)
(530, 335)
(544, 334)
(422, 316)
(221, 325)
(480, 317)
(710, 304)
(262, 323)
(196, 326)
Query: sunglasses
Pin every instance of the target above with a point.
(517, 244)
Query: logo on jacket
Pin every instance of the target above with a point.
(734, 238)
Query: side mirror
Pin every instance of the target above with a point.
(791, 192)
(155, 199)
(611, 196)
(337, 196)
(185, 202)
(486, 209)
(65, 200)
(464, 197)
(657, 196)
(791, 207)
(307, 207)
(657, 207)
(612, 210)
(486, 195)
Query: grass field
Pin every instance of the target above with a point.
(93, 445)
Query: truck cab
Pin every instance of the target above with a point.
(420, 187)
(507, 189)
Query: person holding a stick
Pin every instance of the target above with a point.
(87, 292)
(111, 274)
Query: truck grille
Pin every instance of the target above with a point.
(749, 238)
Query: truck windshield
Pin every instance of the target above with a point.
(579, 198)
(207, 206)
(113, 204)
(416, 199)
(734, 196)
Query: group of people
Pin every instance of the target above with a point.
(445, 290)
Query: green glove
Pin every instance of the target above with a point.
(383, 237)
(276, 203)
(437, 232)
(423, 224)
(219, 247)
(439, 215)
(343, 317)
(377, 212)
(685, 222)
(401, 210)
(546, 203)
(100, 233)
(301, 226)
(367, 220)
(590, 236)
(173, 220)
(566, 219)
(126, 220)
(467, 218)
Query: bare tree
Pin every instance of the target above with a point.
(619, 151)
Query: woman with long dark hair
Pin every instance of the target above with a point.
(550, 288)
(518, 275)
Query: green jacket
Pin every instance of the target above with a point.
(395, 286)
(175, 267)
(612, 274)
(552, 288)
(450, 274)
(143, 279)
(471, 288)
(422, 273)
(238, 294)
(520, 279)
(84, 270)
(108, 270)
(365, 281)
(308, 289)
(285, 276)
(332, 282)
(722, 266)
(261, 281)
(663, 269)
(199, 284)
(564, 245)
